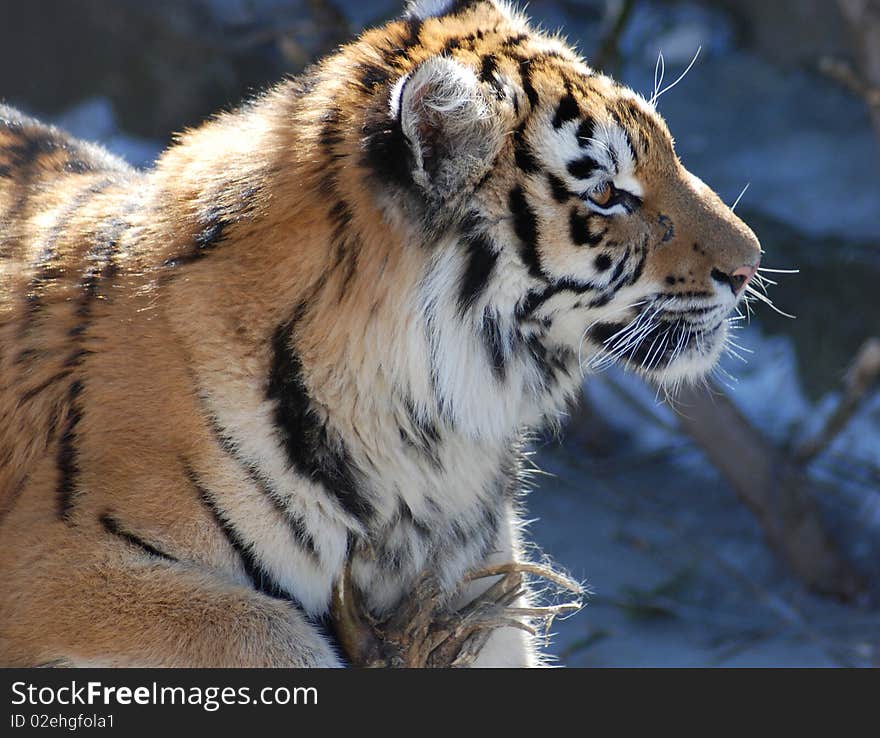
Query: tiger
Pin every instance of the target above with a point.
(315, 334)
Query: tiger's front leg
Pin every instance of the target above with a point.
(506, 647)
(122, 608)
(486, 624)
(478, 628)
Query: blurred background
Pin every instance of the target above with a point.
(743, 530)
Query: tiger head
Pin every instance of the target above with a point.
(578, 233)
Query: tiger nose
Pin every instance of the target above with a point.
(738, 279)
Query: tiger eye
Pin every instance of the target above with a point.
(602, 196)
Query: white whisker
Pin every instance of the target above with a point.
(658, 95)
(659, 72)
(590, 326)
(767, 301)
(748, 304)
(744, 190)
(600, 144)
(730, 352)
(765, 280)
(741, 348)
(722, 376)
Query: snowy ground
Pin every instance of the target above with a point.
(679, 571)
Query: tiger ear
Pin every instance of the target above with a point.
(448, 124)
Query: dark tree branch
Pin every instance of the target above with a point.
(860, 380)
(773, 487)
(864, 19)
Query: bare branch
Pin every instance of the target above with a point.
(864, 20)
(860, 379)
(773, 487)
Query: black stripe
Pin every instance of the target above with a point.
(532, 301)
(306, 438)
(538, 353)
(413, 33)
(526, 75)
(346, 243)
(421, 434)
(494, 341)
(488, 74)
(66, 458)
(570, 284)
(260, 579)
(525, 225)
(214, 221)
(21, 156)
(27, 356)
(266, 488)
(111, 525)
(32, 144)
(345, 238)
(558, 188)
(560, 360)
(512, 42)
(693, 294)
(405, 513)
(601, 300)
(331, 130)
(618, 271)
(458, 42)
(386, 150)
(602, 262)
(640, 266)
(583, 168)
(668, 228)
(579, 227)
(522, 152)
(47, 266)
(585, 133)
(372, 76)
(568, 109)
(101, 262)
(213, 224)
(342, 217)
(618, 118)
(481, 259)
(647, 127)
(535, 298)
(411, 39)
(32, 392)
